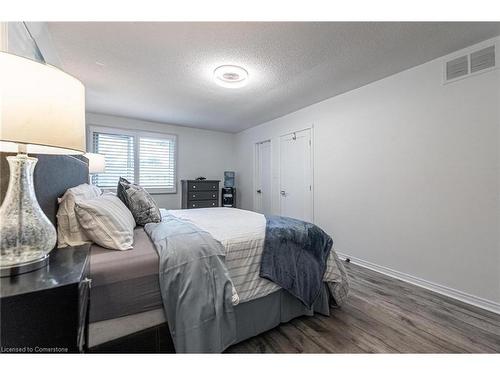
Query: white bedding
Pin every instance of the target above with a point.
(242, 234)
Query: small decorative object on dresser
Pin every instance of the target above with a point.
(46, 311)
(200, 194)
(43, 112)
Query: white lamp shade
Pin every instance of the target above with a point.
(97, 163)
(41, 107)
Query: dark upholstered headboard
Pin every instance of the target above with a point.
(54, 174)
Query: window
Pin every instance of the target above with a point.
(118, 150)
(156, 162)
(148, 159)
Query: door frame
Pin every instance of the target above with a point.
(311, 129)
(256, 168)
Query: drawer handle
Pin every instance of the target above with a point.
(213, 204)
(213, 195)
(194, 186)
(87, 281)
(194, 195)
(194, 205)
(213, 186)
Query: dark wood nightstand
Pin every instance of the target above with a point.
(46, 311)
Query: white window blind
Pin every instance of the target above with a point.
(157, 162)
(118, 150)
(148, 159)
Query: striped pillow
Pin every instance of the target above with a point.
(107, 221)
(69, 230)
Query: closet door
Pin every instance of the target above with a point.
(263, 178)
(296, 175)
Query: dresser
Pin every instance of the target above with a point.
(46, 311)
(200, 193)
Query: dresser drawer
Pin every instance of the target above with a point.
(203, 195)
(203, 204)
(203, 186)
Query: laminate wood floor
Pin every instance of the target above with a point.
(385, 315)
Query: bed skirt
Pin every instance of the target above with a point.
(252, 318)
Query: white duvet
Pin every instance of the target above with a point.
(242, 234)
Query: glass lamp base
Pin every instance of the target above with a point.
(26, 235)
(24, 267)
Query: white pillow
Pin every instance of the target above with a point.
(69, 231)
(107, 221)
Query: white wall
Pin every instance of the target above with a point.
(15, 38)
(406, 174)
(41, 34)
(200, 152)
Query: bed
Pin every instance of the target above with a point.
(126, 298)
(126, 309)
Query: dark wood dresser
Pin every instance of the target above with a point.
(200, 193)
(46, 311)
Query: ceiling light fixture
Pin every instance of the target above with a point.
(231, 76)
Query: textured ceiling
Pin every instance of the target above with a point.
(163, 71)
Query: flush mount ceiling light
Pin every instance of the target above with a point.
(231, 76)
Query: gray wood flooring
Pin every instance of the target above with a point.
(385, 315)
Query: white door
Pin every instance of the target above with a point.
(263, 178)
(296, 192)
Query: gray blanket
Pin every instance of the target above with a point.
(195, 287)
(294, 257)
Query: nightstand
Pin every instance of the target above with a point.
(46, 311)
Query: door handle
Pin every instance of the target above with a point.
(283, 192)
(259, 191)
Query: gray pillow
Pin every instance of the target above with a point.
(139, 202)
(120, 190)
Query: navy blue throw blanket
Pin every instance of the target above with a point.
(294, 257)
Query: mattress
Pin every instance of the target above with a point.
(242, 234)
(124, 282)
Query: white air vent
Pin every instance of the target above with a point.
(457, 67)
(474, 62)
(482, 59)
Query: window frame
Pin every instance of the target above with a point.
(137, 134)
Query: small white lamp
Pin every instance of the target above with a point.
(42, 111)
(97, 163)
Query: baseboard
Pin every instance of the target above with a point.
(441, 289)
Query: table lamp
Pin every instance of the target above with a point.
(97, 162)
(42, 111)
